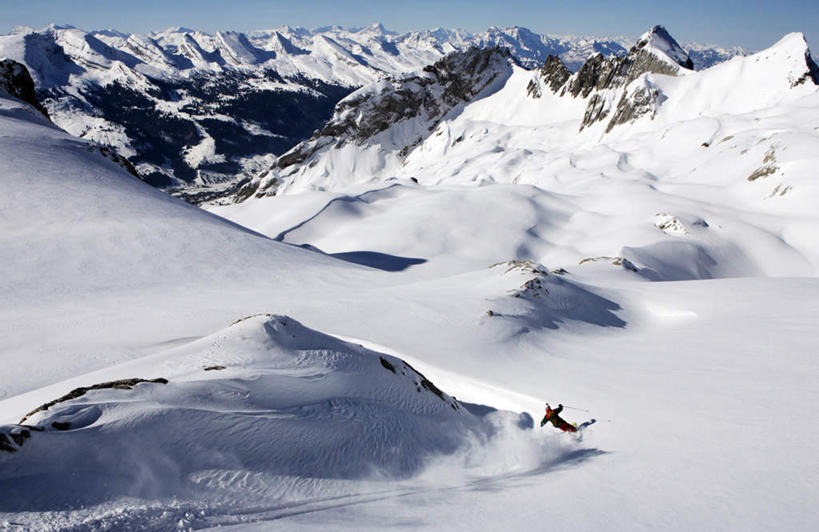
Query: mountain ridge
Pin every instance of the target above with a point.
(227, 102)
(605, 92)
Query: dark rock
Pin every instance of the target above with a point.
(662, 34)
(111, 154)
(386, 364)
(811, 74)
(596, 73)
(459, 75)
(59, 425)
(16, 80)
(554, 73)
(632, 106)
(214, 368)
(432, 388)
(20, 436)
(6, 445)
(596, 111)
(124, 384)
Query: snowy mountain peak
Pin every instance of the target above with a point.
(604, 80)
(792, 50)
(659, 41)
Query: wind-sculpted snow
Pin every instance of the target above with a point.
(77, 222)
(280, 400)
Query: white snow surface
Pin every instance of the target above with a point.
(639, 275)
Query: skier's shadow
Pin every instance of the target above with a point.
(567, 460)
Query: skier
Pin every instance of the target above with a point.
(553, 417)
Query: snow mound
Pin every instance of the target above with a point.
(267, 393)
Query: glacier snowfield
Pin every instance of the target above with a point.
(369, 344)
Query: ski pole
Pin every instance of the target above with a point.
(575, 408)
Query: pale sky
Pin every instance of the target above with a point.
(749, 23)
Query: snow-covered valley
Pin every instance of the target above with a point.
(364, 336)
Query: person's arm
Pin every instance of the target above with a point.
(558, 410)
(544, 421)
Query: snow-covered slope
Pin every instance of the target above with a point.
(527, 261)
(227, 102)
(684, 150)
(265, 393)
(76, 225)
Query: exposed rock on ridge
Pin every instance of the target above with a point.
(16, 80)
(554, 74)
(811, 73)
(600, 77)
(427, 96)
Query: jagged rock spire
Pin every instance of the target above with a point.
(658, 40)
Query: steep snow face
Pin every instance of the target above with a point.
(239, 98)
(781, 75)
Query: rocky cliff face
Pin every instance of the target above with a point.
(430, 94)
(554, 75)
(602, 79)
(16, 80)
(414, 103)
(811, 71)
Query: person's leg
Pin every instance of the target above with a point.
(565, 426)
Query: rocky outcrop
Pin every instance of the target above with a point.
(596, 74)
(16, 80)
(812, 72)
(454, 79)
(600, 78)
(426, 96)
(124, 384)
(634, 103)
(553, 74)
(111, 154)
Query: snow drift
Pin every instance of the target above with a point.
(266, 394)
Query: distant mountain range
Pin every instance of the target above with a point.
(393, 129)
(197, 112)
